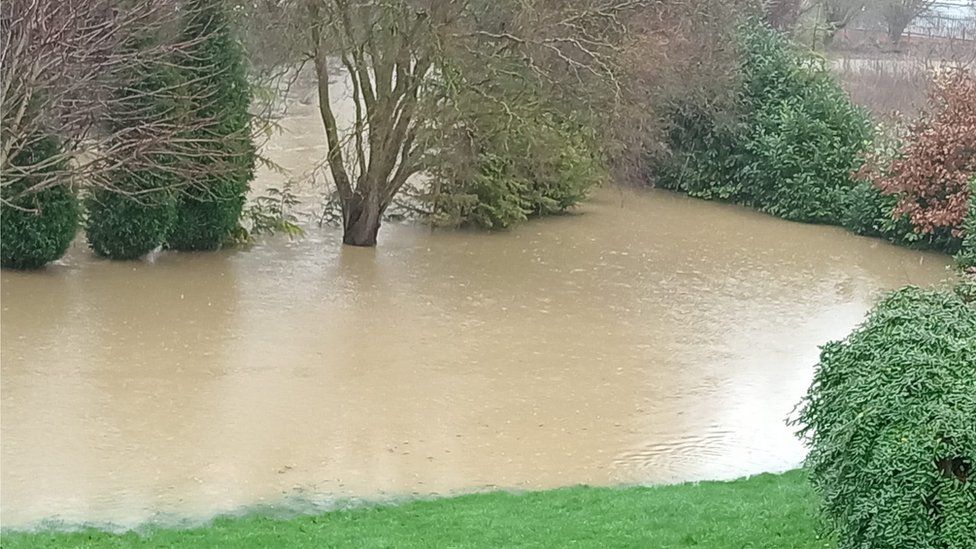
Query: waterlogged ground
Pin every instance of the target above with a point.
(652, 338)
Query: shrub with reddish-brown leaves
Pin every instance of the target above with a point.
(931, 172)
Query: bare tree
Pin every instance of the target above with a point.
(401, 59)
(838, 14)
(898, 14)
(62, 64)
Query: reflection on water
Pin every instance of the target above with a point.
(651, 339)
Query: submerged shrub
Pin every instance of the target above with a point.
(209, 208)
(869, 212)
(891, 423)
(36, 226)
(122, 226)
(131, 213)
(502, 166)
(705, 154)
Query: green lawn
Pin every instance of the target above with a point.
(774, 511)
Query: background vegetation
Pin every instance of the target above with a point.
(786, 141)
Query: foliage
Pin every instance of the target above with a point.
(531, 165)
(930, 174)
(785, 142)
(805, 136)
(131, 213)
(889, 422)
(273, 213)
(966, 256)
(869, 211)
(209, 210)
(123, 226)
(761, 512)
(706, 151)
(36, 226)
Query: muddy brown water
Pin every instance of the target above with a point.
(651, 338)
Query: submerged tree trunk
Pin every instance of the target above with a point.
(361, 220)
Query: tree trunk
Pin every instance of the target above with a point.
(829, 34)
(896, 28)
(361, 220)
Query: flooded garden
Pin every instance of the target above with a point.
(330, 273)
(304, 372)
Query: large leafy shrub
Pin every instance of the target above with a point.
(209, 208)
(805, 136)
(930, 175)
(537, 169)
(966, 257)
(36, 226)
(133, 211)
(891, 423)
(508, 160)
(786, 142)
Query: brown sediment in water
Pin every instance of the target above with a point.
(653, 338)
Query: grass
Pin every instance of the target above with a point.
(769, 511)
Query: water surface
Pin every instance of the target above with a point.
(650, 338)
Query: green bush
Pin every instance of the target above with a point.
(36, 227)
(785, 143)
(869, 213)
(966, 256)
(209, 209)
(533, 167)
(706, 153)
(131, 214)
(120, 226)
(891, 423)
(805, 136)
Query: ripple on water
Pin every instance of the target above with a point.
(653, 338)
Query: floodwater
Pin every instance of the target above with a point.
(653, 338)
(650, 338)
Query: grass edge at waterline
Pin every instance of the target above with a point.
(768, 510)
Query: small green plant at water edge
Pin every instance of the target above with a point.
(273, 213)
(36, 226)
(890, 420)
